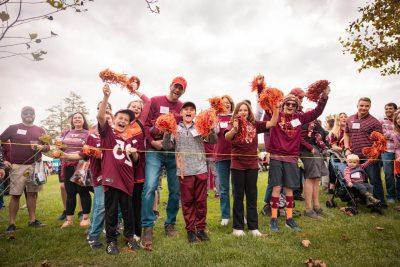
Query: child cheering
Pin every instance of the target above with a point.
(242, 132)
(117, 172)
(192, 170)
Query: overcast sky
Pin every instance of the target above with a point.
(218, 46)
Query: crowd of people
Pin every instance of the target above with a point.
(125, 176)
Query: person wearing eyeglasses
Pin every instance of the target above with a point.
(284, 146)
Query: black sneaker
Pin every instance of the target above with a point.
(266, 210)
(192, 238)
(94, 243)
(63, 216)
(112, 248)
(290, 223)
(202, 235)
(273, 225)
(132, 245)
(80, 215)
(11, 229)
(36, 224)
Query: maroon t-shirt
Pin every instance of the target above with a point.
(285, 136)
(22, 134)
(159, 105)
(95, 163)
(244, 152)
(117, 167)
(74, 140)
(223, 147)
(140, 144)
(209, 150)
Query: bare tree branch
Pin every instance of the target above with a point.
(12, 54)
(15, 21)
(150, 4)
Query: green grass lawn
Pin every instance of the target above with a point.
(338, 240)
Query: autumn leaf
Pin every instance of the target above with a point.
(306, 243)
(379, 228)
(315, 263)
(33, 36)
(4, 16)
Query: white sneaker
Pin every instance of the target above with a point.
(238, 233)
(224, 222)
(256, 233)
(137, 239)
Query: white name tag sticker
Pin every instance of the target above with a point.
(21, 131)
(194, 132)
(223, 125)
(356, 175)
(134, 142)
(295, 123)
(164, 110)
(356, 125)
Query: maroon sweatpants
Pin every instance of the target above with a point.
(194, 201)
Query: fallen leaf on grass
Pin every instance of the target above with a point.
(315, 263)
(379, 228)
(345, 238)
(127, 250)
(306, 243)
(45, 263)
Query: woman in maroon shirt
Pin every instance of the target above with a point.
(223, 159)
(74, 140)
(244, 166)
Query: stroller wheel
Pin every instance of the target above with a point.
(330, 203)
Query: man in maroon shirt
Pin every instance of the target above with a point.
(22, 158)
(358, 130)
(156, 159)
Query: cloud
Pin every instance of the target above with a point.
(219, 46)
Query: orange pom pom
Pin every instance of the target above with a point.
(258, 84)
(378, 146)
(205, 122)
(315, 90)
(217, 105)
(115, 78)
(166, 123)
(91, 151)
(269, 98)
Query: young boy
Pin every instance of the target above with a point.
(117, 173)
(192, 172)
(355, 176)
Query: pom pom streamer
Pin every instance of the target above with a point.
(166, 123)
(269, 98)
(378, 146)
(205, 122)
(109, 76)
(90, 151)
(315, 90)
(217, 105)
(255, 86)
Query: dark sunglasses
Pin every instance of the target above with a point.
(26, 113)
(290, 104)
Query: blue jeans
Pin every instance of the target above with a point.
(374, 174)
(224, 174)
(154, 163)
(392, 184)
(98, 213)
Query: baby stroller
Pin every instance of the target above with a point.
(349, 195)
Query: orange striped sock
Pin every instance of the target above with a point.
(274, 213)
(289, 213)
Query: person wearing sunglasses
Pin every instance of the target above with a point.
(284, 146)
(22, 159)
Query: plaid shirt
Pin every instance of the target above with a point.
(388, 128)
(359, 130)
